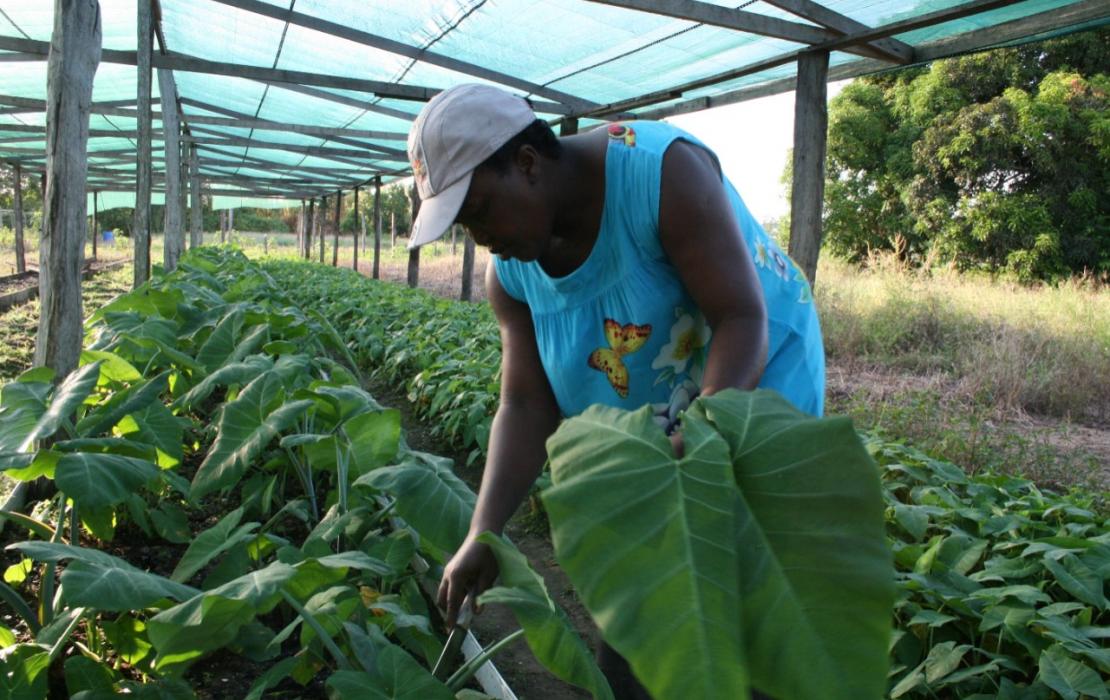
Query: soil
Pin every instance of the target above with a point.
(526, 676)
(7, 286)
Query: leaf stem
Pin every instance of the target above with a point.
(312, 622)
(459, 678)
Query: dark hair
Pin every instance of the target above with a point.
(538, 134)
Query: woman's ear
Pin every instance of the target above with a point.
(528, 161)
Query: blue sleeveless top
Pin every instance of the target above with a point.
(622, 330)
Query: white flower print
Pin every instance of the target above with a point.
(688, 335)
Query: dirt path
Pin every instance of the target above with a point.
(528, 679)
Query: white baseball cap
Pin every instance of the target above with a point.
(455, 133)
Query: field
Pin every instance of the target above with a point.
(999, 579)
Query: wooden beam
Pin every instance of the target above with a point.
(354, 262)
(811, 121)
(173, 246)
(348, 100)
(307, 129)
(140, 229)
(377, 225)
(338, 225)
(17, 206)
(467, 292)
(883, 48)
(196, 216)
(74, 56)
(309, 224)
(728, 18)
(414, 253)
(342, 155)
(423, 55)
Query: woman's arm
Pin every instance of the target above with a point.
(526, 416)
(701, 236)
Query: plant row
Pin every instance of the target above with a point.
(1000, 586)
(223, 483)
(446, 354)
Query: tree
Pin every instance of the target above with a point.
(992, 161)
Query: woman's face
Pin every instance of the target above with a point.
(506, 213)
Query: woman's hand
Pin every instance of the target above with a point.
(471, 571)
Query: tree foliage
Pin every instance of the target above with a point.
(996, 161)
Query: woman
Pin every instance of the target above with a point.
(627, 271)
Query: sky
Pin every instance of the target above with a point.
(752, 139)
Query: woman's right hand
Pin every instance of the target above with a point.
(471, 571)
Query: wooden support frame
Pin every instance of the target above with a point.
(17, 206)
(140, 227)
(173, 241)
(377, 226)
(338, 226)
(196, 215)
(310, 222)
(320, 224)
(413, 277)
(422, 54)
(354, 263)
(467, 292)
(74, 57)
(811, 121)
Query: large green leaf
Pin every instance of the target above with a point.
(98, 580)
(247, 425)
(134, 398)
(156, 425)
(99, 479)
(221, 342)
(211, 543)
(546, 628)
(397, 676)
(212, 619)
(23, 672)
(67, 397)
(233, 373)
(429, 497)
(816, 576)
(649, 542)
(374, 439)
(1068, 677)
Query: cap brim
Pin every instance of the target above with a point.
(438, 213)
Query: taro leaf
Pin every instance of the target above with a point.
(944, 658)
(395, 549)
(816, 569)
(108, 445)
(171, 522)
(397, 677)
(234, 373)
(546, 628)
(98, 580)
(113, 368)
(247, 425)
(375, 437)
(67, 397)
(23, 672)
(156, 425)
(274, 675)
(97, 479)
(102, 418)
(1077, 578)
(355, 560)
(1068, 677)
(221, 342)
(650, 545)
(161, 689)
(127, 636)
(430, 498)
(82, 673)
(212, 619)
(212, 543)
(330, 607)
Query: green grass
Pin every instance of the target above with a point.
(985, 373)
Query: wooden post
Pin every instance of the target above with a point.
(95, 226)
(811, 122)
(354, 265)
(230, 223)
(300, 229)
(17, 205)
(140, 227)
(568, 126)
(74, 56)
(335, 237)
(173, 230)
(196, 218)
(414, 253)
(454, 241)
(223, 226)
(468, 269)
(320, 224)
(308, 225)
(377, 225)
(184, 189)
(392, 231)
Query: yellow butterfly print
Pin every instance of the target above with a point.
(622, 340)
